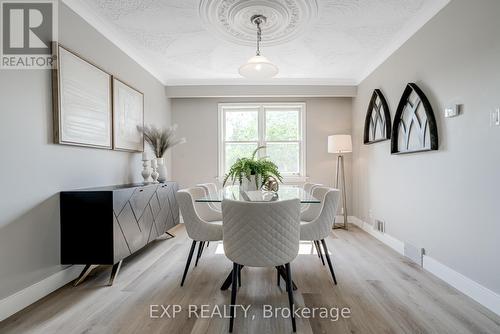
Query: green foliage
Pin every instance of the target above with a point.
(246, 167)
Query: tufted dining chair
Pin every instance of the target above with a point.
(313, 210)
(198, 229)
(211, 190)
(309, 187)
(320, 227)
(261, 234)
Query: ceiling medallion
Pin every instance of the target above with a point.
(230, 19)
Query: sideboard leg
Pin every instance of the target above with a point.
(85, 272)
(114, 272)
(170, 234)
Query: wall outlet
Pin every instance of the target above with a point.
(495, 117)
(414, 253)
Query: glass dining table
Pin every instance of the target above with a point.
(236, 194)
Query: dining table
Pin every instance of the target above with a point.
(236, 193)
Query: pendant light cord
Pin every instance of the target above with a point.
(259, 35)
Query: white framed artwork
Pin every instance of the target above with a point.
(82, 102)
(128, 117)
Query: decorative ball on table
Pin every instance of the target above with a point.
(271, 184)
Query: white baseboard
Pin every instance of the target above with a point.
(21, 299)
(392, 242)
(476, 291)
(468, 287)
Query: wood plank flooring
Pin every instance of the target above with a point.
(384, 292)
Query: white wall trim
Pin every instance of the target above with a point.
(392, 242)
(465, 285)
(23, 298)
(113, 35)
(474, 290)
(411, 27)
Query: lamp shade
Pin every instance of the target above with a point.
(258, 67)
(339, 144)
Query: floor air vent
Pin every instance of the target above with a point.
(379, 225)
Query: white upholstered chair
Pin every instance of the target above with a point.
(211, 189)
(198, 229)
(309, 187)
(320, 227)
(258, 234)
(204, 209)
(313, 210)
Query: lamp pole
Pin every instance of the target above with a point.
(341, 170)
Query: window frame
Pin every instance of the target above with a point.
(261, 140)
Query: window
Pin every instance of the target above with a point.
(278, 126)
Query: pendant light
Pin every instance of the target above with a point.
(258, 67)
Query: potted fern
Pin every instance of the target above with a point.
(251, 173)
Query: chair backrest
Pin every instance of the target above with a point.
(211, 190)
(313, 210)
(309, 187)
(203, 209)
(197, 228)
(258, 234)
(322, 225)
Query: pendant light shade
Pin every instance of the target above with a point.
(258, 67)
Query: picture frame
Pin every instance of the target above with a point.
(82, 106)
(128, 117)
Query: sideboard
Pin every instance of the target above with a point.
(102, 226)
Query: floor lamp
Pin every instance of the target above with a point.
(340, 144)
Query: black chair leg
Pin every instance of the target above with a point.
(290, 294)
(188, 262)
(278, 276)
(318, 249)
(329, 261)
(200, 250)
(234, 288)
(239, 276)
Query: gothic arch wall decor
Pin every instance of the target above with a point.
(378, 119)
(414, 128)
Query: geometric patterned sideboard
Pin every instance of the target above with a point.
(102, 226)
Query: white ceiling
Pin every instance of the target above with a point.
(184, 42)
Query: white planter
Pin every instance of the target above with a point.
(249, 185)
(162, 170)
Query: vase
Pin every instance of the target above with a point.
(154, 174)
(247, 185)
(162, 170)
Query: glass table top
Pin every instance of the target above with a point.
(284, 193)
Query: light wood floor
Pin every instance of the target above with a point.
(385, 293)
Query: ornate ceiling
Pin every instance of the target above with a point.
(311, 41)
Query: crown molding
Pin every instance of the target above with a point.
(403, 36)
(266, 82)
(247, 91)
(113, 35)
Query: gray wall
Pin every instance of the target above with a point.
(33, 170)
(444, 201)
(196, 161)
